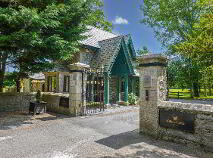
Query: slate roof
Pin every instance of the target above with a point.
(107, 53)
(96, 35)
(106, 46)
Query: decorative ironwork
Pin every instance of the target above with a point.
(94, 93)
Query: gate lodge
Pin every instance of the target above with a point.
(103, 70)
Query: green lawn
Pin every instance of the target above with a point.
(185, 94)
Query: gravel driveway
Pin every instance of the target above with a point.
(111, 134)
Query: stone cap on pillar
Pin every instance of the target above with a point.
(152, 60)
(79, 66)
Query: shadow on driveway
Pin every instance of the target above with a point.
(121, 140)
(144, 146)
(12, 120)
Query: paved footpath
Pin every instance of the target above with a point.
(204, 101)
(112, 134)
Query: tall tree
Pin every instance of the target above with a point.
(199, 43)
(3, 59)
(35, 32)
(172, 20)
(182, 74)
(207, 79)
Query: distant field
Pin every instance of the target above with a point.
(185, 94)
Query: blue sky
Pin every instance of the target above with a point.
(126, 15)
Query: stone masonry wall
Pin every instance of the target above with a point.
(195, 129)
(15, 101)
(20, 101)
(203, 135)
(53, 99)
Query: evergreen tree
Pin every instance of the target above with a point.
(35, 32)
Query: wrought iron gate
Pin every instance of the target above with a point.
(94, 92)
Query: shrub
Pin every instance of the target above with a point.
(132, 99)
(93, 105)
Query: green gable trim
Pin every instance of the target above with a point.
(131, 48)
(128, 57)
(120, 66)
(123, 62)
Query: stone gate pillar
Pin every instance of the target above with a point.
(153, 88)
(77, 95)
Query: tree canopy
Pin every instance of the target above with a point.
(199, 43)
(184, 73)
(184, 27)
(35, 32)
(143, 51)
(171, 20)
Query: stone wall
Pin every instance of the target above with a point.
(53, 99)
(15, 101)
(187, 123)
(203, 129)
(20, 101)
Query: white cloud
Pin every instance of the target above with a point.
(119, 20)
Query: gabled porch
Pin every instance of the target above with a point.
(120, 78)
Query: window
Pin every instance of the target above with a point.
(122, 86)
(51, 83)
(66, 83)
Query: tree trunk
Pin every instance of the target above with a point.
(3, 59)
(205, 90)
(199, 89)
(191, 91)
(18, 85)
(1, 80)
(196, 89)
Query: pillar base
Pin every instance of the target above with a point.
(122, 103)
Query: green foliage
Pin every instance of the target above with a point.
(184, 73)
(170, 19)
(186, 94)
(94, 105)
(132, 99)
(36, 33)
(143, 51)
(9, 80)
(199, 42)
(207, 79)
(185, 28)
